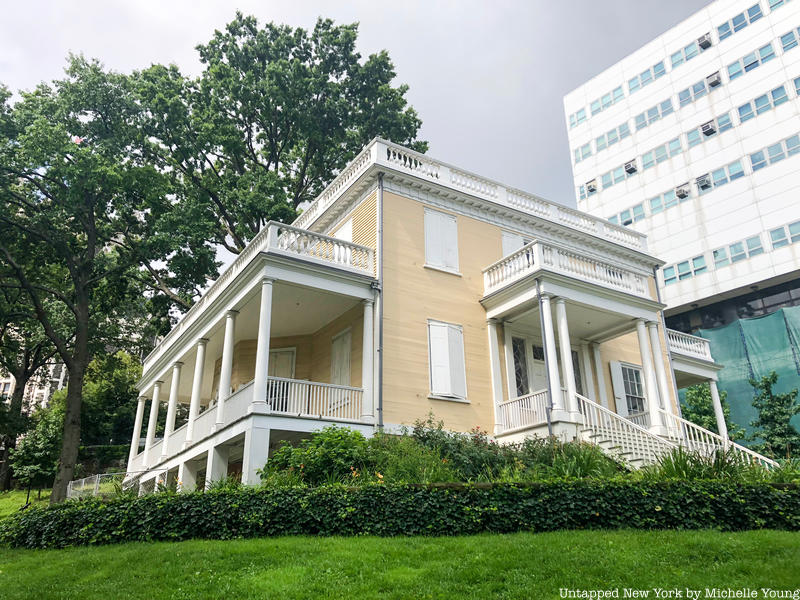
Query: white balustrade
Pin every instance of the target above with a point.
(642, 419)
(690, 345)
(620, 436)
(542, 256)
(312, 399)
(702, 441)
(524, 411)
(322, 248)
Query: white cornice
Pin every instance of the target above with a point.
(433, 182)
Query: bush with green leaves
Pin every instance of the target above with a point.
(392, 510)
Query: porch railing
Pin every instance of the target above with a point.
(538, 256)
(524, 411)
(702, 441)
(690, 345)
(96, 485)
(642, 419)
(311, 399)
(620, 436)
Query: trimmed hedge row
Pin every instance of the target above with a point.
(443, 509)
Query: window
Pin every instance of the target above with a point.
(675, 147)
(758, 160)
(694, 137)
(638, 212)
(688, 53)
(684, 272)
(577, 118)
(655, 205)
(607, 100)
(653, 114)
(669, 275)
(778, 238)
(773, 4)
(723, 175)
(794, 232)
(754, 247)
(646, 77)
(520, 365)
(634, 391)
(779, 96)
(699, 265)
(746, 112)
(739, 22)
(797, 86)
(690, 94)
(751, 61)
(775, 153)
(441, 240)
(448, 377)
(737, 252)
(612, 137)
(721, 257)
(340, 358)
(724, 123)
(762, 104)
(735, 170)
(788, 41)
(792, 145)
(583, 152)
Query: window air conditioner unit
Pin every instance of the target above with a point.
(630, 167)
(714, 80)
(709, 128)
(704, 182)
(704, 41)
(682, 191)
(591, 186)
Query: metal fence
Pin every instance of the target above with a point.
(102, 484)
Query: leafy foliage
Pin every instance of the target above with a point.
(699, 409)
(778, 437)
(391, 510)
(35, 459)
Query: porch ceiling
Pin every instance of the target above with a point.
(585, 322)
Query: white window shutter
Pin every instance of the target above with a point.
(345, 232)
(434, 242)
(511, 242)
(458, 374)
(618, 384)
(450, 240)
(440, 359)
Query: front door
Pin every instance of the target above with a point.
(538, 369)
(281, 363)
(340, 359)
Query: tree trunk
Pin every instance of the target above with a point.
(72, 432)
(15, 413)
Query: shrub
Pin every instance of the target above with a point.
(401, 459)
(389, 510)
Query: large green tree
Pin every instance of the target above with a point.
(72, 187)
(276, 113)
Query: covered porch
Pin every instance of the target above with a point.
(282, 342)
(568, 331)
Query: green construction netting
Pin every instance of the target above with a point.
(751, 348)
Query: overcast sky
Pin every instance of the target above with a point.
(487, 78)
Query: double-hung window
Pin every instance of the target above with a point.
(441, 240)
(448, 374)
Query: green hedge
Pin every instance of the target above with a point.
(408, 510)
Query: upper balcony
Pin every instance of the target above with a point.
(540, 256)
(276, 239)
(386, 156)
(689, 345)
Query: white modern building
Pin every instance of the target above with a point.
(694, 140)
(39, 389)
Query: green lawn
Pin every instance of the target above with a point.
(11, 502)
(487, 566)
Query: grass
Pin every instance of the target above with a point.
(12, 501)
(520, 565)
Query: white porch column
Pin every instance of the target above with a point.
(511, 376)
(262, 347)
(216, 464)
(661, 372)
(650, 385)
(151, 424)
(256, 450)
(137, 431)
(586, 368)
(172, 406)
(571, 402)
(601, 375)
(197, 384)
(226, 368)
(187, 476)
(367, 357)
(494, 369)
(722, 427)
(550, 355)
